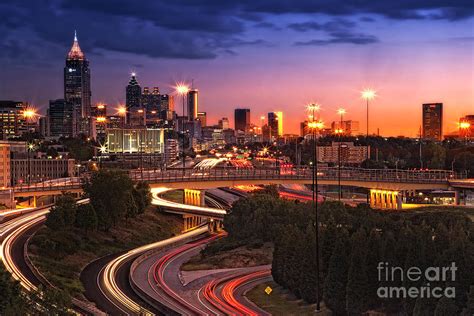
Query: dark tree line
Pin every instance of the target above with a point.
(353, 241)
(13, 301)
(113, 198)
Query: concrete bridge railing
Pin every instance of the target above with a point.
(294, 173)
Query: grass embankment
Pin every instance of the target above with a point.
(61, 256)
(280, 302)
(173, 196)
(224, 254)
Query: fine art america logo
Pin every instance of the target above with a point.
(415, 282)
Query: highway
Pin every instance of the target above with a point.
(225, 295)
(184, 208)
(117, 293)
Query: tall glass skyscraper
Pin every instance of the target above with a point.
(77, 86)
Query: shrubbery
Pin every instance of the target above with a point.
(353, 240)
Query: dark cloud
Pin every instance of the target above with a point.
(331, 26)
(340, 38)
(339, 31)
(190, 29)
(367, 19)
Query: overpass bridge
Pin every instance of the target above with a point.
(384, 184)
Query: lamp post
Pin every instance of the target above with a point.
(122, 111)
(341, 112)
(30, 148)
(314, 125)
(182, 90)
(368, 94)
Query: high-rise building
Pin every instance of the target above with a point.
(193, 104)
(5, 172)
(77, 86)
(223, 123)
(60, 118)
(242, 119)
(466, 127)
(348, 127)
(275, 123)
(12, 122)
(350, 154)
(433, 121)
(202, 117)
(150, 102)
(99, 110)
(133, 93)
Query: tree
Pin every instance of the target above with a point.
(109, 192)
(357, 282)
(336, 279)
(131, 208)
(142, 196)
(446, 307)
(469, 310)
(86, 218)
(12, 301)
(63, 213)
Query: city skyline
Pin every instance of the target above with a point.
(332, 56)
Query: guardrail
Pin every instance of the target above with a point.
(294, 173)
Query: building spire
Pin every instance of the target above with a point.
(75, 52)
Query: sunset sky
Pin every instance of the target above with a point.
(261, 54)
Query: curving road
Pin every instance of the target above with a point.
(225, 295)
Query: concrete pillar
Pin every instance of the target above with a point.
(457, 198)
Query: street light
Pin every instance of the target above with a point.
(341, 112)
(314, 126)
(464, 128)
(122, 111)
(31, 146)
(29, 114)
(368, 94)
(182, 89)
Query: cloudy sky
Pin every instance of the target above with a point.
(263, 54)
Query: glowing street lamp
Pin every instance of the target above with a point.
(314, 126)
(464, 128)
(340, 131)
(367, 95)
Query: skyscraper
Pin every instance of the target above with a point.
(77, 86)
(241, 119)
(202, 117)
(60, 118)
(433, 121)
(133, 93)
(12, 121)
(192, 104)
(275, 123)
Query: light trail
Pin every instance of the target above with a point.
(158, 270)
(224, 299)
(191, 209)
(108, 278)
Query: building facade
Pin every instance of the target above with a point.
(12, 122)
(61, 118)
(38, 170)
(77, 87)
(350, 154)
(202, 117)
(432, 121)
(135, 140)
(275, 124)
(5, 178)
(193, 95)
(242, 119)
